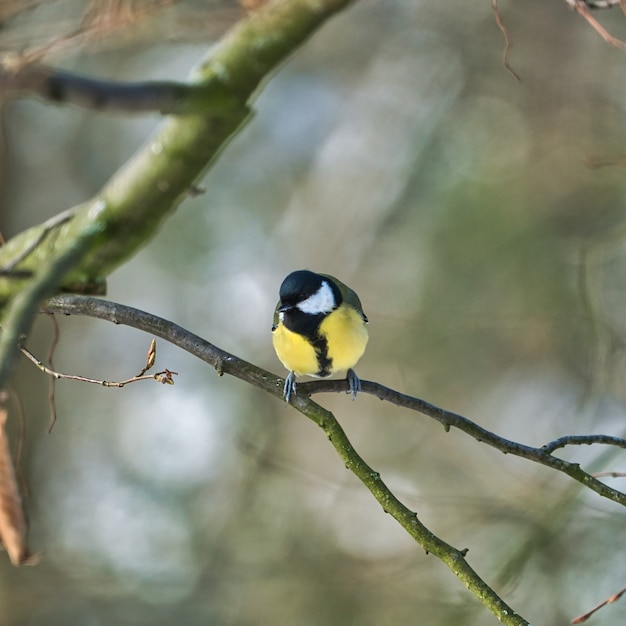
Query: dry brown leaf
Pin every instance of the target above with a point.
(13, 528)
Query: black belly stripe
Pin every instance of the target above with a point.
(321, 351)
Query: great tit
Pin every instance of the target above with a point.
(319, 329)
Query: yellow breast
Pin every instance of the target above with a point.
(346, 337)
(294, 351)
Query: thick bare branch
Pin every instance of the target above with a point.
(103, 232)
(62, 87)
(147, 189)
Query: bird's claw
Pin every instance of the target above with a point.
(354, 383)
(290, 387)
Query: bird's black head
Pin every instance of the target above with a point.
(305, 299)
(299, 286)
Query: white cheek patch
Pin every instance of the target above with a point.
(322, 301)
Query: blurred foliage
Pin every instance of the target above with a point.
(395, 152)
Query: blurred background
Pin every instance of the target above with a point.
(482, 221)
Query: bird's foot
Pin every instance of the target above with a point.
(290, 387)
(354, 382)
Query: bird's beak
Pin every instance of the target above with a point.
(283, 308)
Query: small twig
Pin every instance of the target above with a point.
(50, 361)
(47, 227)
(583, 10)
(15, 274)
(165, 377)
(598, 4)
(508, 43)
(614, 598)
(596, 162)
(609, 474)
(583, 440)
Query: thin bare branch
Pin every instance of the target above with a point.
(226, 363)
(62, 87)
(598, 4)
(609, 474)
(508, 43)
(583, 10)
(165, 377)
(583, 440)
(52, 382)
(596, 162)
(614, 598)
(47, 228)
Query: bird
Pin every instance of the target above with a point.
(319, 329)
